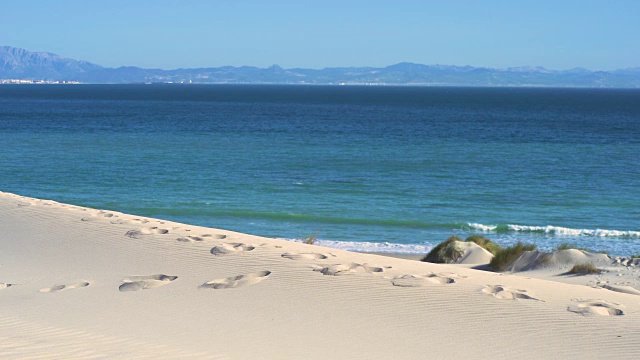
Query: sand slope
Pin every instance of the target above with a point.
(472, 253)
(617, 273)
(84, 283)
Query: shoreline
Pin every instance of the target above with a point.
(77, 282)
(413, 257)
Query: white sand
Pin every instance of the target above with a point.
(472, 253)
(84, 283)
(618, 274)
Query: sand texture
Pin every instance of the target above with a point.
(79, 283)
(472, 253)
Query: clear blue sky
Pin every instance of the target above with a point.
(558, 34)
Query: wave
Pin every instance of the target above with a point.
(206, 210)
(421, 249)
(554, 230)
(382, 247)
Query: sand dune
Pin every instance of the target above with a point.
(87, 284)
(617, 273)
(472, 253)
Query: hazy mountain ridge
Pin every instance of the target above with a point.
(16, 63)
(20, 63)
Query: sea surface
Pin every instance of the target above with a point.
(391, 169)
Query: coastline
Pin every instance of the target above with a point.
(86, 283)
(413, 257)
(340, 197)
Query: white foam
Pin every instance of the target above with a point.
(382, 247)
(558, 230)
(481, 227)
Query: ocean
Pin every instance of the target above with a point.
(388, 169)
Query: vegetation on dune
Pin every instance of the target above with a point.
(447, 252)
(584, 269)
(485, 243)
(444, 253)
(507, 255)
(311, 239)
(567, 246)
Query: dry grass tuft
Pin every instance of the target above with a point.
(447, 252)
(444, 253)
(508, 255)
(485, 243)
(311, 239)
(584, 269)
(567, 246)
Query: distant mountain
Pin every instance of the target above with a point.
(23, 64)
(629, 71)
(18, 63)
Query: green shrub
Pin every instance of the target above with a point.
(584, 269)
(635, 256)
(508, 255)
(485, 243)
(311, 239)
(444, 253)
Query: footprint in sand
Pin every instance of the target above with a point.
(193, 238)
(136, 234)
(135, 283)
(130, 221)
(139, 221)
(345, 269)
(410, 280)
(231, 248)
(595, 307)
(98, 216)
(236, 281)
(304, 256)
(57, 288)
(503, 293)
(4, 285)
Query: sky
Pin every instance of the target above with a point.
(558, 34)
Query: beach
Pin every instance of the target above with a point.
(85, 283)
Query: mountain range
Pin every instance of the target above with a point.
(16, 63)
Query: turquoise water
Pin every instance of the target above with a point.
(394, 169)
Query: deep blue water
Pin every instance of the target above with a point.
(359, 166)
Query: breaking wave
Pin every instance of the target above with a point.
(382, 247)
(554, 230)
